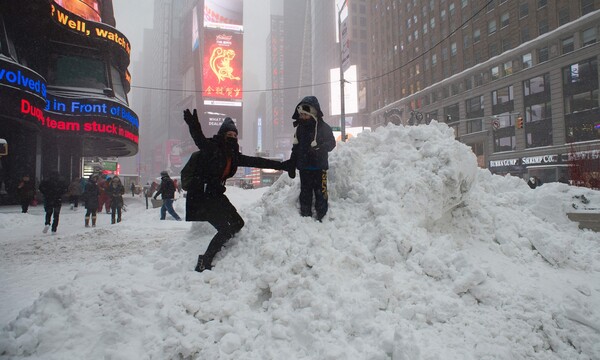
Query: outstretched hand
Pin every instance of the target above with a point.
(290, 167)
(189, 117)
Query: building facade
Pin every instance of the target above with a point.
(63, 88)
(517, 80)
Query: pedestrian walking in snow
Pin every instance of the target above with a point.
(313, 140)
(90, 199)
(217, 160)
(25, 193)
(167, 191)
(53, 188)
(74, 193)
(132, 188)
(115, 191)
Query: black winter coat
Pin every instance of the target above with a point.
(90, 196)
(166, 189)
(303, 154)
(116, 192)
(210, 177)
(53, 189)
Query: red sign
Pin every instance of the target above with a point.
(222, 70)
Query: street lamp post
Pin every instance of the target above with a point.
(342, 96)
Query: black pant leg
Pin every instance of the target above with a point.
(56, 211)
(321, 194)
(49, 209)
(225, 218)
(306, 192)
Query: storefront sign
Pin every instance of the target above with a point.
(505, 162)
(544, 159)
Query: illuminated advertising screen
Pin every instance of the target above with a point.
(225, 14)
(222, 65)
(87, 9)
(89, 29)
(216, 111)
(23, 96)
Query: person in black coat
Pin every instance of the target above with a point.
(313, 140)
(167, 191)
(53, 188)
(25, 193)
(115, 190)
(218, 160)
(90, 199)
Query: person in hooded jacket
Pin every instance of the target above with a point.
(218, 160)
(313, 140)
(53, 188)
(167, 191)
(90, 199)
(116, 191)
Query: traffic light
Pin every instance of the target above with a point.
(520, 122)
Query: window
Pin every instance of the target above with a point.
(523, 10)
(464, 3)
(542, 27)
(587, 6)
(507, 67)
(466, 41)
(491, 27)
(504, 19)
(563, 16)
(476, 35)
(568, 45)
(582, 72)
(444, 53)
(117, 84)
(495, 73)
(452, 10)
(536, 85)
(506, 45)
(538, 112)
(527, 61)
(453, 49)
(588, 36)
(433, 59)
(478, 78)
(506, 143)
(432, 23)
(77, 71)
(474, 105)
(525, 34)
(542, 3)
(581, 102)
(502, 96)
(491, 5)
(543, 54)
(474, 126)
(493, 49)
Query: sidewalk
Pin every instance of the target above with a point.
(586, 220)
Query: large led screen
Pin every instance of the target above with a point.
(87, 9)
(222, 65)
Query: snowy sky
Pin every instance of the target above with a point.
(421, 256)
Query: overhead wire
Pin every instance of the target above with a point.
(330, 82)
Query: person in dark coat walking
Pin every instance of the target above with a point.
(25, 193)
(218, 160)
(90, 199)
(116, 191)
(313, 140)
(167, 191)
(53, 188)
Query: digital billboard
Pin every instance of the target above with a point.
(87, 9)
(350, 91)
(222, 65)
(225, 14)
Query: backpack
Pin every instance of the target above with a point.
(190, 173)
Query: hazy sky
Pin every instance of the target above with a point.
(132, 18)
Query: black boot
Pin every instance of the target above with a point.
(202, 265)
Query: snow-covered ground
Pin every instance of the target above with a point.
(421, 256)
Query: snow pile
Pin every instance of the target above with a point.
(421, 256)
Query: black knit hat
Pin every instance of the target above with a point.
(228, 125)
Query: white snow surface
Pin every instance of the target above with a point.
(422, 256)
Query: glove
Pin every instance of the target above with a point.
(155, 197)
(290, 167)
(189, 117)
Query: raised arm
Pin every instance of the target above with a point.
(195, 128)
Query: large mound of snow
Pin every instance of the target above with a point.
(421, 256)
